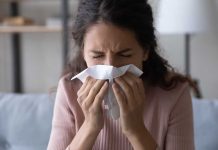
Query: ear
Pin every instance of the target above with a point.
(146, 55)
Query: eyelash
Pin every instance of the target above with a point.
(126, 55)
(95, 57)
(99, 56)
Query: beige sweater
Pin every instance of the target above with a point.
(168, 116)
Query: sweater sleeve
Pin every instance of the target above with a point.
(63, 123)
(180, 133)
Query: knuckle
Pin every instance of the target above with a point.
(88, 78)
(85, 105)
(91, 81)
(98, 97)
(80, 98)
(91, 78)
(86, 82)
(93, 110)
(93, 90)
(132, 83)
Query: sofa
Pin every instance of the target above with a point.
(25, 122)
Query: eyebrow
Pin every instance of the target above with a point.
(121, 51)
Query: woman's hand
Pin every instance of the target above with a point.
(90, 97)
(131, 100)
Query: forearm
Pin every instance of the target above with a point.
(142, 141)
(84, 139)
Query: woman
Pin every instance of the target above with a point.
(155, 109)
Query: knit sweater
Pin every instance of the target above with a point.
(168, 116)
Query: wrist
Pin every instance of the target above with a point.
(92, 129)
(138, 134)
(137, 131)
(84, 138)
(142, 139)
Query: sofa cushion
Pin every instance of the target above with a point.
(25, 121)
(206, 124)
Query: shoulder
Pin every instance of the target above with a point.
(167, 99)
(175, 92)
(67, 85)
(172, 93)
(67, 91)
(166, 105)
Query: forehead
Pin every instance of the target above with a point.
(108, 36)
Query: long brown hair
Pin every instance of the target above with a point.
(134, 15)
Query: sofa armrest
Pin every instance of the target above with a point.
(25, 121)
(205, 124)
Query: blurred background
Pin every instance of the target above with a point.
(42, 56)
(35, 38)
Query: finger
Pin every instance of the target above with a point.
(137, 82)
(84, 86)
(82, 94)
(126, 89)
(90, 84)
(85, 83)
(134, 88)
(94, 91)
(100, 96)
(131, 81)
(119, 97)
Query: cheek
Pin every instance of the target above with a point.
(90, 62)
(87, 59)
(138, 62)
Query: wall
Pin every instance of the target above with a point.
(43, 64)
(204, 54)
(204, 62)
(41, 52)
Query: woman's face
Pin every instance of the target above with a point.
(106, 44)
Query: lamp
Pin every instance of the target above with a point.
(185, 17)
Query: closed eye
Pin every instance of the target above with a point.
(97, 56)
(125, 55)
(125, 52)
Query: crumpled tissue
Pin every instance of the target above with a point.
(106, 72)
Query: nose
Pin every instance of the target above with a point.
(110, 61)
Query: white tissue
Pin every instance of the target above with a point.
(106, 72)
